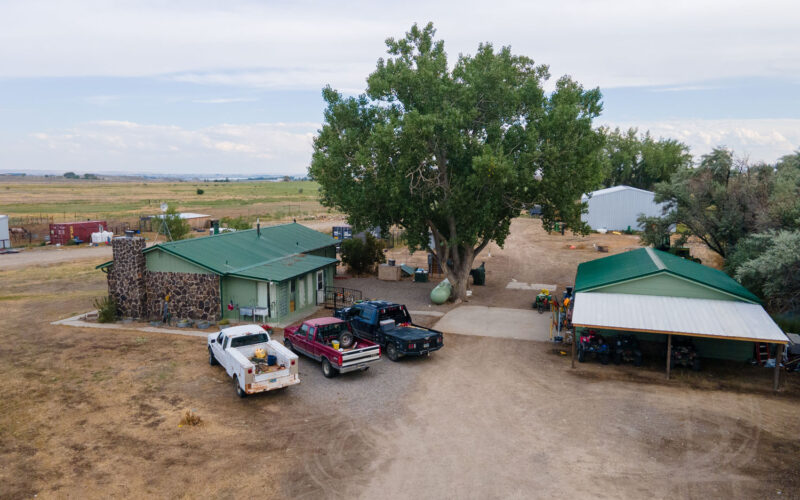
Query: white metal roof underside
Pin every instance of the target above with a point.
(726, 319)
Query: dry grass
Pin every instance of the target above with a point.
(190, 418)
(126, 201)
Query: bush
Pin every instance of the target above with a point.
(106, 309)
(238, 223)
(200, 191)
(362, 256)
(177, 228)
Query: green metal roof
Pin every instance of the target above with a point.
(245, 253)
(646, 262)
(285, 268)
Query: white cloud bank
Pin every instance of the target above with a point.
(302, 44)
(121, 146)
(758, 139)
(285, 148)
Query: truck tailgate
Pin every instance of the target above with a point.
(360, 357)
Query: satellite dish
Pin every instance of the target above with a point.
(164, 207)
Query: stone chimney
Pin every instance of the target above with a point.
(126, 280)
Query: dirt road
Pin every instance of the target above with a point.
(48, 256)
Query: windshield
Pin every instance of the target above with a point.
(258, 338)
(328, 332)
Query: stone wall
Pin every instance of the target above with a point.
(191, 295)
(126, 279)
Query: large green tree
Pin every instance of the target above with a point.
(453, 155)
(642, 162)
(721, 201)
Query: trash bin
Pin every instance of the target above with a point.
(420, 276)
(479, 275)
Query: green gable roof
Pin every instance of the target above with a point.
(646, 262)
(271, 256)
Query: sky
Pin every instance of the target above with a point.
(233, 87)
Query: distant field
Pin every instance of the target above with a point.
(121, 201)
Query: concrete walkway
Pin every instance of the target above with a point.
(79, 322)
(501, 322)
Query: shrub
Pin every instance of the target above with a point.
(106, 309)
(177, 228)
(200, 191)
(237, 223)
(362, 256)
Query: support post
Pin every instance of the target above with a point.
(574, 344)
(669, 354)
(778, 357)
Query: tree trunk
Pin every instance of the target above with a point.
(458, 273)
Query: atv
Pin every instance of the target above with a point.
(594, 343)
(626, 349)
(543, 301)
(684, 354)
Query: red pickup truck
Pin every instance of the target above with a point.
(315, 338)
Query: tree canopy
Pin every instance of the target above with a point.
(456, 154)
(720, 201)
(642, 162)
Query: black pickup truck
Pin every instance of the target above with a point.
(389, 325)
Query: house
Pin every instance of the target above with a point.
(280, 271)
(617, 208)
(656, 295)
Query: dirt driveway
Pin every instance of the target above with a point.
(90, 414)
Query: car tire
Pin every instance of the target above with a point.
(346, 339)
(288, 344)
(391, 352)
(211, 359)
(239, 391)
(327, 369)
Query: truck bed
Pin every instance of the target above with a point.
(243, 354)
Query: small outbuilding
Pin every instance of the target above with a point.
(5, 239)
(274, 273)
(617, 208)
(656, 295)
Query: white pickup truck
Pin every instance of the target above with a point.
(235, 349)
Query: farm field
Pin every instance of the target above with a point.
(118, 200)
(93, 413)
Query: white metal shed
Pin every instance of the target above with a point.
(617, 208)
(5, 239)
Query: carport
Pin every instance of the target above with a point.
(646, 291)
(704, 318)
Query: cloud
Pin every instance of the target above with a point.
(759, 139)
(261, 148)
(290, 44)
(225, 100)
